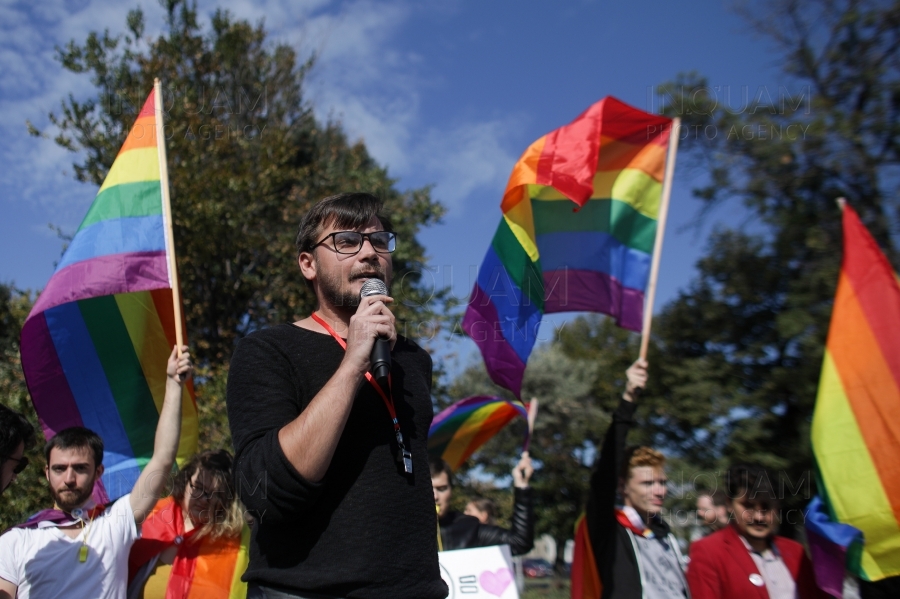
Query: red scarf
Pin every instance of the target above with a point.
(632, 521)
(163, 528)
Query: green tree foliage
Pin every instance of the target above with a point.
(29, 493)
(246, 159)
(741, 349)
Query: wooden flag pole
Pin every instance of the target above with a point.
(660, 233)
(532, 416)
(167, 211)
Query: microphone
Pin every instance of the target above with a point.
(381, 351)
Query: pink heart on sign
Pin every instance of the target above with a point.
(495, 582)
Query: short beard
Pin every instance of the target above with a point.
(69, 505)
(335, 292)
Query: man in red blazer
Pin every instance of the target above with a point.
(746, 560)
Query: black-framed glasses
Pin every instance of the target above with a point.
(350, 242)
(21, 463)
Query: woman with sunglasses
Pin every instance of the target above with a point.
(16, 437)
(190, 542)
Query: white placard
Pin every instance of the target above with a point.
(480, 573)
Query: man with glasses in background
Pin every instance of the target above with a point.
(16, 437)
(331, 463)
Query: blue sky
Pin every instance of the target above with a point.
(443, 92)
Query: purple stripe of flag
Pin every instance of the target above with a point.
(106, 275)
(570, 290)
(829, 562)
(47, 384)
(481, 323)
(46, 379)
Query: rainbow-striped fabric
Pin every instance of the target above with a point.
(201, 569)
(856, 423)
(577, 233)
(459, 430)
(95, 346)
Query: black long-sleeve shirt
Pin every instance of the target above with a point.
(459, 531)
(365, 530)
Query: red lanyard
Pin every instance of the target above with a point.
(403, 456)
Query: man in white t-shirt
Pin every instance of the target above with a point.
(81, 550)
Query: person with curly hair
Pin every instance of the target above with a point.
(190, 542)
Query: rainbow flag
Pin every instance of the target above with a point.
(201, 568)
(856, 423)
(577, 233)
(95, 346)
(458, 431)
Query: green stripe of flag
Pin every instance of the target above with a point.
(123, 371)
(616, 218)
(143, 198)
(524, 273)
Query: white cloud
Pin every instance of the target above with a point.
(362, 78)
(466, 159)
(374, 90)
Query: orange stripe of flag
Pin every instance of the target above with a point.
(214, 569)
(870, 387)
(524, 173)
(495, 421)
(142, 135)
(617, 155)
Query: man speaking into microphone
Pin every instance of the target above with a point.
(330, 457)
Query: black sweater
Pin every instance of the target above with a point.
(365, 530)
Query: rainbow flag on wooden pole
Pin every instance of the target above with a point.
(95, 345)
(583, 213)
(856, 423)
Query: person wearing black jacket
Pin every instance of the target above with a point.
(635, 554)
(459, 531)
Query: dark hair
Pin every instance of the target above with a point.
(345, 211)
(14, 429)
(226, 520)
(437, 465)
(751, 480)
(486, 505)
(717, 496)
(76, 437)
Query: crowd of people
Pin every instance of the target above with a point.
(329, 476)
